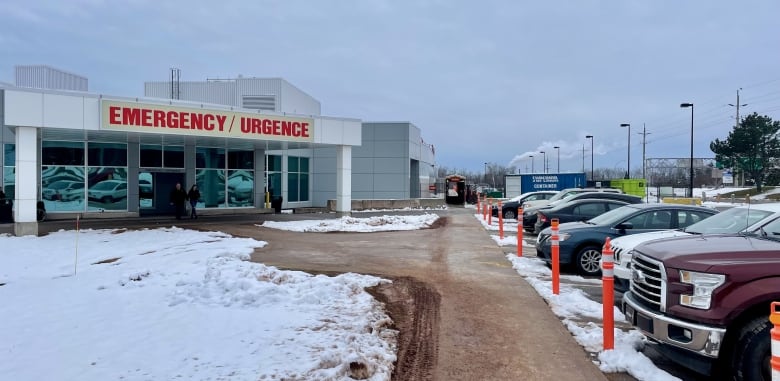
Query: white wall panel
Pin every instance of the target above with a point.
(385, 165)
(23, 108)
(63, 111)
(295, 101)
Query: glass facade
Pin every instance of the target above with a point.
(74, 179)
(9, 170)
(297, 178)
(225, 178)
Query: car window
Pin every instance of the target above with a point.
(613, 206)
(689, 217)
(656, 219)
(589, 209)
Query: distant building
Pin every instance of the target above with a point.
(49, 78)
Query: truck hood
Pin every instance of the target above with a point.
(628, 242)
(711, 253)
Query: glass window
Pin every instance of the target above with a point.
(213, 158)
(151, 156)
(173, 157)
(292, 187)
(589, 210)
(9, 181)
(62, 153)
(274, 163)
(211, 184)
(145, 190)
(107, 188)
(107, 154)
(304, 165)
(62, 188)
(304, 187)
(9, 155)
(275, 184)
(292, 164)
(241, 186)
(241, 159)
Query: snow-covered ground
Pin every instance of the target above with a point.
(361, 225)
(171, 304)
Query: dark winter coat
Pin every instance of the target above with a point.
(178, 196)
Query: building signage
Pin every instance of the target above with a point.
(162, 119)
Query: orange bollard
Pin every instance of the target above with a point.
(490, 212)
(479, 205)
(608, 294)
(500, 222)
(519, 232)
(556, 266)
(484, 209)
(774, 318)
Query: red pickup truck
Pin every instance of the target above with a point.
(706, 300)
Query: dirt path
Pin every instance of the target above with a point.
(462, 312)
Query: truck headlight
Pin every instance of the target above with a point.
(703, 286)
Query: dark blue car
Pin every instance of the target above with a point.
(581, 242)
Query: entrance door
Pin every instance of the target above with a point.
(162, 183)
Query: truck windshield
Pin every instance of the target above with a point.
(730, 221)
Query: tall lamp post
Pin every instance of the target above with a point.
(485, 179)
(532, 163)
(558, 150)
(690, 185)
(628, 165)
(544, 161)
(591, 155)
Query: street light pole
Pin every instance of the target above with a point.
(544, 161)
(558, 149)
(628, 164)
(690, 185)
(485, 177)
(591, 155)
(532, 163)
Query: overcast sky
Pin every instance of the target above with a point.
(485, 81)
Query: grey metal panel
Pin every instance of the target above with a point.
(362, 182)
(364, 150)
(392, 183)
(260, 86)
(46, 77)
(391, 131)
(295, 101)
(388, 165)
(363, 165)
(391, 149)
(367, 131)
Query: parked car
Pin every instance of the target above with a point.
(580, 243)
(108, 191)
(577, 210)
(64, 190)
(567, 192)
(509, 207)
(706, 300)
(530, 214)
(747, 219)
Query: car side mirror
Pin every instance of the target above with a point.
(624, 226)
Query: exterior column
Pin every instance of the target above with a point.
(26, 178)
(260, 185)
(344, 179)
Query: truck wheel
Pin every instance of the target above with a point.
(752, 351)
(588, 260)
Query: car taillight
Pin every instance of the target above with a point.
(541, 217)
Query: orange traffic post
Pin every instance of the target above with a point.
(608, 294)
(519, 232)
(479, 204)
(774, 318)
(500, 222)
(484, 209)
(556, 266)
(490, 212)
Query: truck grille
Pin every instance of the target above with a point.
(648, 282)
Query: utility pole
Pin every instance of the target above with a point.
(583, 158)
(736, 106)
(644, 134)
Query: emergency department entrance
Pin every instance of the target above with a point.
(92, 155)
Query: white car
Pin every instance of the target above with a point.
(746, 219)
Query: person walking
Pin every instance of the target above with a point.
(178, 198)
(194, 196)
